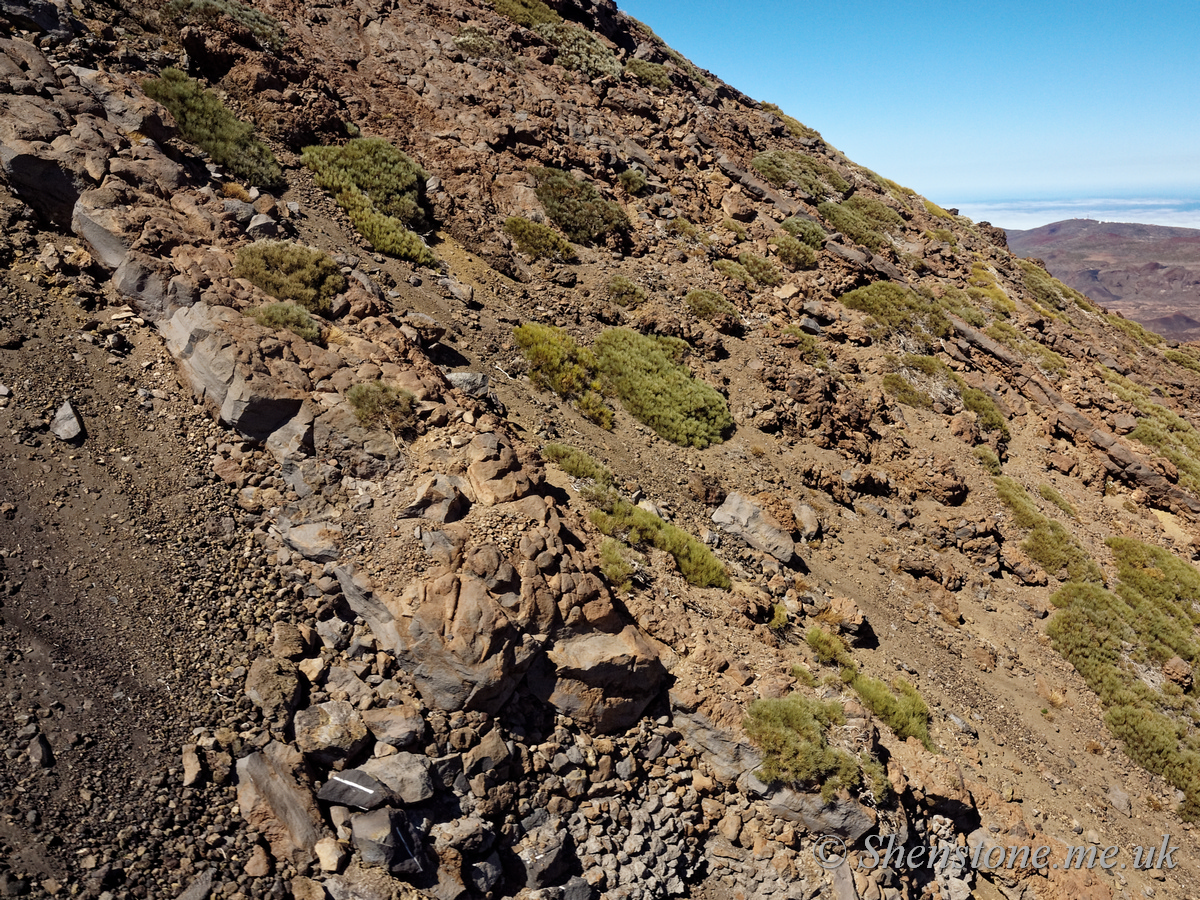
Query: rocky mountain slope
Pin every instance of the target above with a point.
(1148, 273)
(777, 505)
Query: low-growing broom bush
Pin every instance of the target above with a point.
(793, 735)
(709, 304)
(1049, 544)
(557, 363)
(862, 219)
(377, 404)
(529, 13)
(379, 187)
(207, 122)
(580, 50)
(805, 230)
(649, 74)
(734, 271)
(291, 272)
(619, 518)
(625, 293)
(578, 464)
(810, 174)
(262, 27)
(633, 181)
(898, 309)
(761, 270)
(538, 240)
(577, 208)
(645, 372)
(793, 253)
(289, 317)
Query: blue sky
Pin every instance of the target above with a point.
(1017, 109)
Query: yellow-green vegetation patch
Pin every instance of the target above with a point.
(1048, 290)
(904, 391)
(538, 240)
(806, 345)
(207, 122)
(264, 28)
(709, 304)
(987, 414)
(805, 230)
(902, 709)
(812, 176)
(529, 13)
(1050, 493)
(477, 42)
(936, 211)
(633, 181)
(635, 526)
(735, 227)
(955, 301)
(646, 373)
(793, 735)
(1134, 330)
(898, 309)
(625, 293)
(558, 363)
(793, 253)
(576, 207)
(795, 127)
(897, 191)
(984, 286)
(649, 74)
(862, 219)
(290, 272)
(578, 464)
(1185, 357)
(1118, 641)
(288, 317)
(1161, 430)
(734, 271)
(619, 563)
(379, 186)
(580, 50)
(377, 404)
(761, 270)
(1007, 334)
(988, 459)
(1049, 544)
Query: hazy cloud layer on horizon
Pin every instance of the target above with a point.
(1025, 214)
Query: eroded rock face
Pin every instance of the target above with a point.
(275, 799)
(741, 516)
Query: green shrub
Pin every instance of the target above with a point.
(625, 293)
(477, 42)
(792, 734)
(735, 227)
(264, 29)
(986, 412)
(618, 563)
(645, 372)
(903, 711)
(682, 227)
(811, 175)
(956, 301)
(735, 271)
(538, 240)
(1048, 290)
(638, 527)
(580, 50)
(593, 407)
(807, 346)
(760, 269)
(779, 618)
(556, 362)
(288, 271)
(937, 212)
(204, 120)
(1134, 330)
(988, 459)
(1046, 359)
(796, 128)
(577, 208)
(1049, 544)
(804, 675)
(529, 13)
(793, 253)
(863, 219)
(805, 230)
(649, 74)
(288, 316)
(903, 391)
(1159, 428)
(379, 187)
(896, 308)
(1053, 496)
(578, 464)
(380, 405)
(897, 191)
(709, 304)
(1110, 637)
(1185, 358)
(829, 648)
(633, 181)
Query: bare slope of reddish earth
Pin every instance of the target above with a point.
(1148, 273)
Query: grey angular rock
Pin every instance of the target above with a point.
(40, 753)
(66, 425)
(262, 226)
(490, 753)
(147, 284)
(330, 732)
(354, 787)
(1118, 798)
(406, 775)
(547, 854)
(473, 384)
(199, 888)
(743, 518)
(387, 838)
(318, 541)
(399, 726)
(273, 801)
(125, 105)
(439, 498)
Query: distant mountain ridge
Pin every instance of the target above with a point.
(1149, 273)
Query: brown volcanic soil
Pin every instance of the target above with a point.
(1148, 273)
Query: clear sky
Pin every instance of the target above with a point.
(996, 107)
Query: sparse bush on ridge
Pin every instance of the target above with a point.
(988, 459)
(1049, 493)
(577, 208)
(264, 28)
(1048, 290)
(1049, 544)
(936, 211)
(904, 391)
(1160, 429)
(633, 181)
(529, 13)
(557, 363)
(759, 269)
(288, 271)
(793, 253)
(477, 42)
(697, 564)
(649, 74)
(794, 126)
(625, 293)
(1185, 357)
(733, 270)
(709, 304)
(578, 464)
(289, 317)
(793, 735)
(207, 122)
(377, 404)
(538, 240)
(812, 176)
(618, 564)
(646, 373)
(579, 49)
(379, 186)
(896, 308)
(805, 231)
